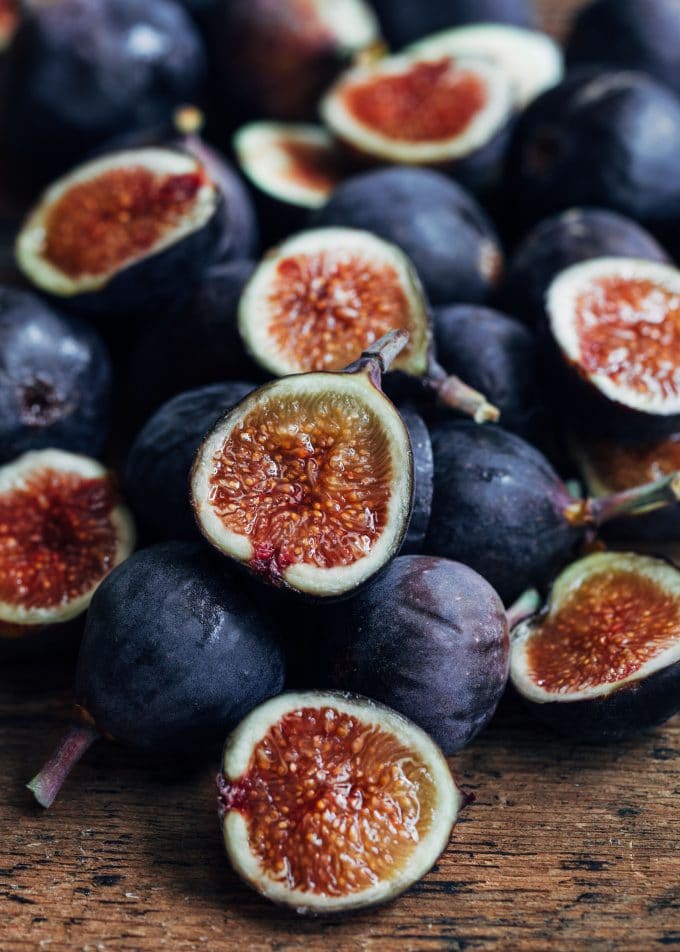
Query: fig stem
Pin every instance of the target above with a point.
(525, 606)
(631, 502)
(48, 781)
(378, 359)
(188, 120)
(455, 393)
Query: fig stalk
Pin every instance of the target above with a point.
(378, 358)
(48, 781)
(641, 499)
(454, 393)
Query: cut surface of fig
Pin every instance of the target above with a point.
(331, 802)
(608, 466)
(419, 109)
(325, 295)
(62, 530)
(111, 213)
(294, 163)
(532, 61)
(308, 481)
(618, 322)
(609, 641)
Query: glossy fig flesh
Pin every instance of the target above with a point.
(62, 530)
(309, 481)
(500, 507)
(123, 233)
(10, 16)
(426, 110)
(603, 658)
(429, 638)
(615, 325)
(175, 652)
(319, 299)
(331, 803)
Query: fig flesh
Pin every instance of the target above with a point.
(62, 530)
(603, 659)
(332, 803)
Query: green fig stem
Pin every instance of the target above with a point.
(454, 393)
(525, 606)
(377, 359)
(630, 502)
(48, 781)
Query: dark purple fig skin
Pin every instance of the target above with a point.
(437, 223)
(497, 356)
(404, 21)
(555, 244)
(498, 506)
(161, 457)
(55, 379)
(608, 139)
(176, 651)
(430, 639)
(423, 471)
(628, 34)
(74, 78)
(194, 343)
(635, 707)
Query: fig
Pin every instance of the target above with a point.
(175, 652)
(10, 16)
(63, 528)
(436, 222)
(319, 299)
(498, 356)
(600, 138)
(161, 457)
(613, 321)
(500, 507)
(436, 109)
(409, 20)
(423, 476)
(80, 72)
(55, 379)
(276, 58)
(123, 233)
(532, 61)
(556, 243)
(332, 803)
(602, 660)
(608, 466)
(309, 481)
(629, 35)
(429, 638)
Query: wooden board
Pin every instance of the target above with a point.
(565, 847)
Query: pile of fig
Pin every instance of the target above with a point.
(257, 324)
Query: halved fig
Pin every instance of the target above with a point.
(123, 232)
(603, 659)
(332, 803)
(532, 61)
(10, 15)
(63, 528)
(616, 323)
(309, 480)
(320, 298)
(418, 109)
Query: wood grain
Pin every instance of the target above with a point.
(565, 847)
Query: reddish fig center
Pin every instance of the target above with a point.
(333, 805)
(312, 166)
(9, 20)
(99, 225)
(429, 102)
(326, 309)
(629, 331)
(306, 479)
(622, 466)
(56, 538)
(606, 630)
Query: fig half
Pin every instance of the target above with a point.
(616, 323)
(62, 530)
(603, 659)
(309, 481)
(123, 232)
(332, 803)
(321, 297)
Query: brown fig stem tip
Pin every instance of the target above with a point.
(48, 781)
(525, 606)
(630, 502)
(188, 120)
(455, 393)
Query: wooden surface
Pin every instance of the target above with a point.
(565, 847)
